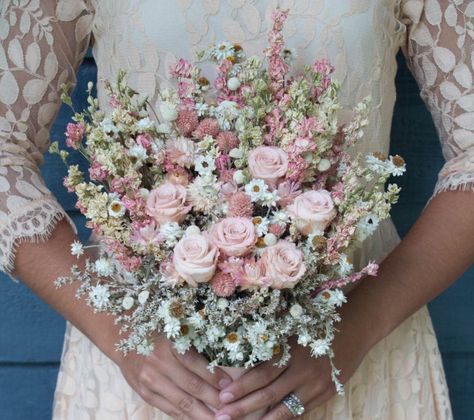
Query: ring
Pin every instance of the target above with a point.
(294, 404)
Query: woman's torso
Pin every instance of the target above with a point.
(360, 37)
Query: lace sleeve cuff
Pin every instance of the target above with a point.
(457, 174)
(35, 222)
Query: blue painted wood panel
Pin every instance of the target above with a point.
(31, 333)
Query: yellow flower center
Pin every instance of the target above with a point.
(116, 207)
(232, 337)
(184, 329)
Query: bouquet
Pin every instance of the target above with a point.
(227, 212)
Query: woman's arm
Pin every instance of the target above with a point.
(438, 248)
(41, 47)
(176, 384)
(435, 252)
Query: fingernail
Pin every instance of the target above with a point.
(224, 383)
(222, 417)
(226, 397)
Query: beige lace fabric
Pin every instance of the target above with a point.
(41, 46)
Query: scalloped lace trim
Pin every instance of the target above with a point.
(35, 223)
(460, 181)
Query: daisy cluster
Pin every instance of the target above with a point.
(229, 211)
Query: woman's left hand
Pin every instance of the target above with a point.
(309, 378)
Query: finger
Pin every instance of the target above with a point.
(310, 397)
(162, 404)
(256, 378)
(193, 385)
(180, 400)
(198, 364)
(262, 398)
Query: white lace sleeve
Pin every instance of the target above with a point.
(439, 47)
(41, 46)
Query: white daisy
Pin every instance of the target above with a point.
(280, 217)
(256, 189)
(99, 296)
(108, 126)
(144, 124)
(138, 152)
(77, 249)
(345, 267)
(204, 164)
(104, 267)
(116, 208)
(172, 233)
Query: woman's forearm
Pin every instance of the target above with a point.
(435, 252)
(39, 264)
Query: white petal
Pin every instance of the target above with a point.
(27, 190)
(8, 89)
(433, 12)
(467, 102)
(34, 90)
(463, 138)
(470, 10)
(450, 91)
(25, 22)
(33, 57)
(422, 36)
(463, 75)
(15, 52)
(451, 15)
(430, 71)
(444, 58)
(465, 120)
(3, 59)
(50, 66)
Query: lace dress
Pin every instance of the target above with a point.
(43, 43)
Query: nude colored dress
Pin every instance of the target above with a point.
(41, 46)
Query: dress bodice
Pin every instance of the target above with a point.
(43, 42)
(360, 38)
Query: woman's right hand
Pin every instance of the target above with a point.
(179, 385)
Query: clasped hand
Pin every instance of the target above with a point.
(183, 387)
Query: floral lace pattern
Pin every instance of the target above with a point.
(440, 51)
(42, 44)
(41, 47)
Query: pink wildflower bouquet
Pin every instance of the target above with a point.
(227, 215)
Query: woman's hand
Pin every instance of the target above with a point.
(309, 378)
(179, 385)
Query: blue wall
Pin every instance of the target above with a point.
(31, 334)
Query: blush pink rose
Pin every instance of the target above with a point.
(312, 211)
(268, 163)
(167, 203)
(195, 259)
(235, 236)
(284, 265)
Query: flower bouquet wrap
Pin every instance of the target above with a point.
(227, 211)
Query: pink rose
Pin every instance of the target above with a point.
(167, 203)
(235, 236)
(252, 274)
(312, 211)
(284, 265)
(195, 259)
(148, 234)
(268, 163)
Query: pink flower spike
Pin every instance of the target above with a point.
(182, 69)
(74, 134)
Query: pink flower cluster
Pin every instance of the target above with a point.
(74, 134)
